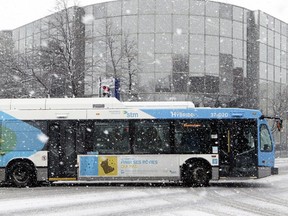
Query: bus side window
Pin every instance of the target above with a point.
(110, 137)
(192, 137)
(152, 137)
(265, 139)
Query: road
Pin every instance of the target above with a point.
(268, 196)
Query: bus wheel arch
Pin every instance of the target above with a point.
(196, 172)
(21, 173)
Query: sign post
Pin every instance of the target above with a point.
(109, 87)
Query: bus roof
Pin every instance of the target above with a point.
(85, 103)
(160, 105)
(59, 103)
(111, 108)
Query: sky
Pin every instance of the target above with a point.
(15, 13)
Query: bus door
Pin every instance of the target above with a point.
(238, 148)
(265, 150)
(62, 150)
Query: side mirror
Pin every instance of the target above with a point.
(279, 124)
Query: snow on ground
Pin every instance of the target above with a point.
(267, 196)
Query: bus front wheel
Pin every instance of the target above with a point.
(196, 174)
(21, 174)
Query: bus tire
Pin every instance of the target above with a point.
(22, 174)
(196, 174)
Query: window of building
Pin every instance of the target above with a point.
(212, 65)
(197, 7)
(146, 24)
(283, 29)
(277, 40)
(270, 38)
(238, 14)
(284, 43)
(263, 19)
(197, 83)
(163, 62)
(147, 6)
(270, 73)
(99, 11)
(263, 35)
(161, 9)
(271, 22)
(113, 8)
(180, 70)
(163, 43)
(130, 7)
(196, 63)
(211, 84)
(129, 24)
(180, 24)
(263, 71)
(212, 9)
(283, 59)
(163, 82)
(180, 6)
(196, 25)
(237, 30)
(146, 43)
(263, 52)
(283, 76)
(180, 44)
(225, 45)
(277, 74)
(225, 28)
(212, 45)
(277, 58)
(238, 48)
(226, 11)
(196, 44)
(270, 55)
(163, 23)
(212, 26)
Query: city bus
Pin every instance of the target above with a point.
(105, 140)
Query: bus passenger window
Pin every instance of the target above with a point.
(192, 137)
(151, 138)
(111, 137)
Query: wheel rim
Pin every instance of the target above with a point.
(200, 175)
(20, 174)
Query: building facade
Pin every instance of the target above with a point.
(211, 53)
(187, 49)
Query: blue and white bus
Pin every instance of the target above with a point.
(105, 140)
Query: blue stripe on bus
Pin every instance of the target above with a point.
(199, 113)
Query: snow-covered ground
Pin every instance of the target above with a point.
(268, 196)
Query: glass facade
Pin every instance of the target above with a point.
(208, 52)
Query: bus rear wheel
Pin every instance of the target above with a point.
(196, 175)
(21, 174)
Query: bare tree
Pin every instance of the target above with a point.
(121, 57)
(64, 54)
(57, 67)
(10, 79)
(130, 63)
(112, 39)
